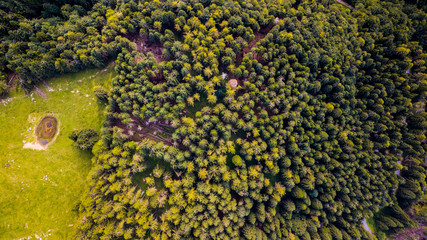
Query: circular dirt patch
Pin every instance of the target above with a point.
(233, 83)
(46, 130)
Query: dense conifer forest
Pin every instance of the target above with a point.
(257, 119)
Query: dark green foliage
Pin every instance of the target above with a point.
(68, 39)
(3, 86)
(101, 94)
(48, 8)
(84, 139)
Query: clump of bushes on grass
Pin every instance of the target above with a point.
(101, 94)
(84, 139)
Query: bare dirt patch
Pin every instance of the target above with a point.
(144, 45)
(34, 146)
(233, 83)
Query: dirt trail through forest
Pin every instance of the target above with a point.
(261, 34)
(139, 129)
(345, 4)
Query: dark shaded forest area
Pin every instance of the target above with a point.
(246, 119)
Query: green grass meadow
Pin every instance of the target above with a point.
(39, 188)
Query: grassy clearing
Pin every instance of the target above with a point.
(40, 188)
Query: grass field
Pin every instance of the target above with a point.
(39, 188)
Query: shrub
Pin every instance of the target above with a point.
(84, 139)
(101, 94)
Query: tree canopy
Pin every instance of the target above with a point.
(243, 119)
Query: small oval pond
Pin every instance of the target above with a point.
(46, 130)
